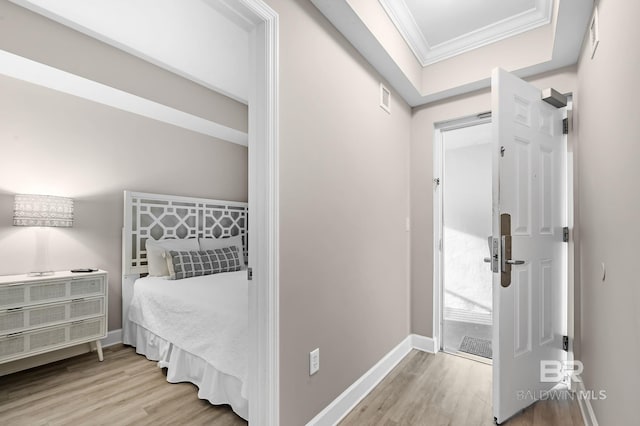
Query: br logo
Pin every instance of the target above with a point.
(552, 371)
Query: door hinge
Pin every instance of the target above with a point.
(565, 234)
(565, 126)
(249, 274)
(565, 343)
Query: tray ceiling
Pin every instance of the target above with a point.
(407, 41)
(439, 29)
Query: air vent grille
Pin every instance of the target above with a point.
(385, 98)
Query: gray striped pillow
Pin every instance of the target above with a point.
(187, 264)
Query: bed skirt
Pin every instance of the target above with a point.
(214, 386)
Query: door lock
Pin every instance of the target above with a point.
(493, 250)
(505, 235)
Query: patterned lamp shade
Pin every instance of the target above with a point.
(42, 210)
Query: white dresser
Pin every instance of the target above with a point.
(42, 314)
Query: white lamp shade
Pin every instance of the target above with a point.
(42, 210)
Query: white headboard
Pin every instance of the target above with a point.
(171, 216)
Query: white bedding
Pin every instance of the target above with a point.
(205, 316)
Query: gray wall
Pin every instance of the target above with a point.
(58, 144)
(344, 199)
(609, 209)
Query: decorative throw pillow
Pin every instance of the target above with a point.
(215, 243)
(187, 264)
(156, 250)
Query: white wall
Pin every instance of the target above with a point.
(467, 196)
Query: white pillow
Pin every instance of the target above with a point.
(216, 243)
(156, 249)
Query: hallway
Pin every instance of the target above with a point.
(442, 389)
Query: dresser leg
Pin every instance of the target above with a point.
(99, 349)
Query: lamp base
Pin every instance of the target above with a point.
(40, 274)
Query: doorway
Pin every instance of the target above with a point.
(466, 280)
(530, 184)
(261, 23)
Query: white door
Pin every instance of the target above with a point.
(529, 197)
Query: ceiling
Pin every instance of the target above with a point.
(168, 33)
(426, 50)
(439, 29)
(429, 50)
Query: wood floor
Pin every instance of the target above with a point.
(124, 389)
(424, 389)
(427, 389)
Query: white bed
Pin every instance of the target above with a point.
(195, 327)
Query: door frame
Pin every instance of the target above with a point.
(573, 267)
(438, 214)
(262, 23)
(264, 343)
(264, 314)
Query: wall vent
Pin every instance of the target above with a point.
(385, 98)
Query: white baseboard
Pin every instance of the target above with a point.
(113, 338)
(347, 400)
(424, 344)
(588, 416)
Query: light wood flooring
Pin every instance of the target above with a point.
(443, 389)
(124, 389)
(424, 389)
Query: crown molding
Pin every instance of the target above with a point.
(571, 25)
(426, 54)
(406, 24)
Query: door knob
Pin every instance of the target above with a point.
(514, 262)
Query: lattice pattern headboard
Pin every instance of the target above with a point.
(170, 216)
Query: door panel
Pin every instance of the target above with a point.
(521, 217)
(529, 184)
(522, 305)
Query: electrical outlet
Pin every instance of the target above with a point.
(314, 361)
